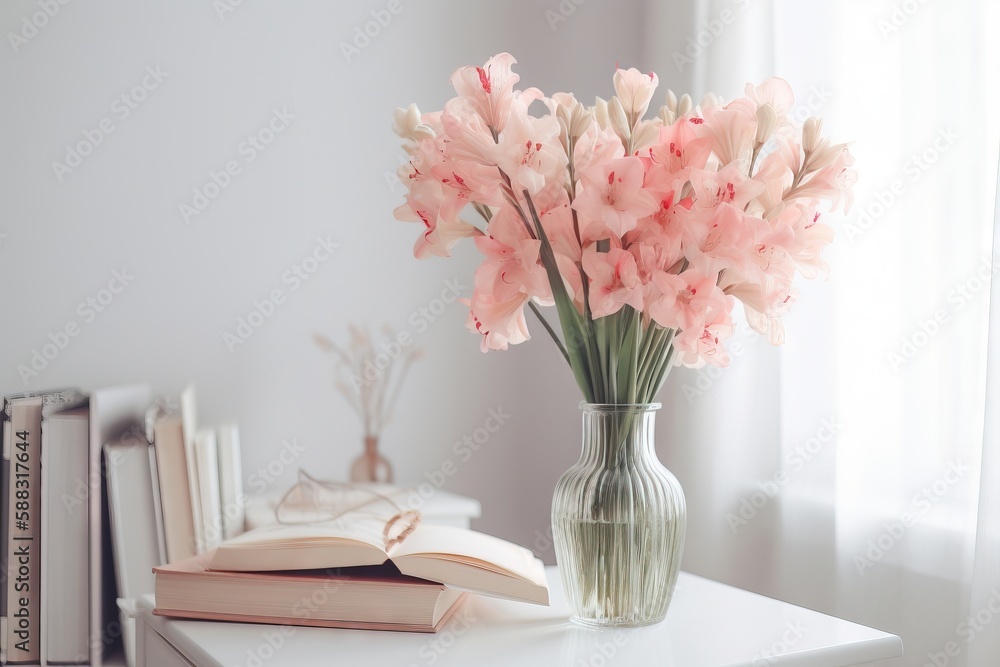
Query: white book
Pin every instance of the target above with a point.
(206, 456)
(231, 481)
(133, 525)
(114, 412)
(65, 527)
(154, 479)
(189, 426)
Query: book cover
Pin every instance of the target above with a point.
(114, 412)
(52, 401)
(207, 464)
(231, 481)
(154, 480)
(174, 483)
(367, 598)
(65, 533)
(4, 521)
(24, 527)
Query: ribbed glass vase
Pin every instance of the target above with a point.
(618, 520)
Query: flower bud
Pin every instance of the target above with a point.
(617, 119)
(601, 112)
(684, 106)
(671, 100)
(767, 121)
(810, 134)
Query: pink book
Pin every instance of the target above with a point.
(363, 598)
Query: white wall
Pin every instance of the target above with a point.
(322, 176)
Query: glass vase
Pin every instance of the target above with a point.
(371, 466)
(618, 521)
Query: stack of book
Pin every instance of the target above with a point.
(96, 491)
(347, 574)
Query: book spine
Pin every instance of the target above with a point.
(24, 529)
(4, 499)
(65, 580)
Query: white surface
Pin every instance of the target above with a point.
(709, 625)
(440, 507)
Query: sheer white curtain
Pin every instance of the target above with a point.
(854, 470)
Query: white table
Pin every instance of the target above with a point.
(709, 625)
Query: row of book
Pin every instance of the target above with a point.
(97, 491)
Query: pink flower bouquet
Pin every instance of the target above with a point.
(642, 232)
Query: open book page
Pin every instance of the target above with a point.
(341, 543)
(466, 559)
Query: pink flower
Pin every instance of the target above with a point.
(768, 251)
(614, 281)
(595, 147)
(500, 321)
(611, 198)
(729, 185)
(685, 301)
(512, 257)
(731, 130)
(680, 147)
(717, 239)
(704, 344)
(530, 153)
(490, 89)
(634, 90)
(469, 138)
(463, 182)
(775, 94)
(834, 183)
(811, 237)
(440, 234)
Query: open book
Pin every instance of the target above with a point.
(458, 558)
